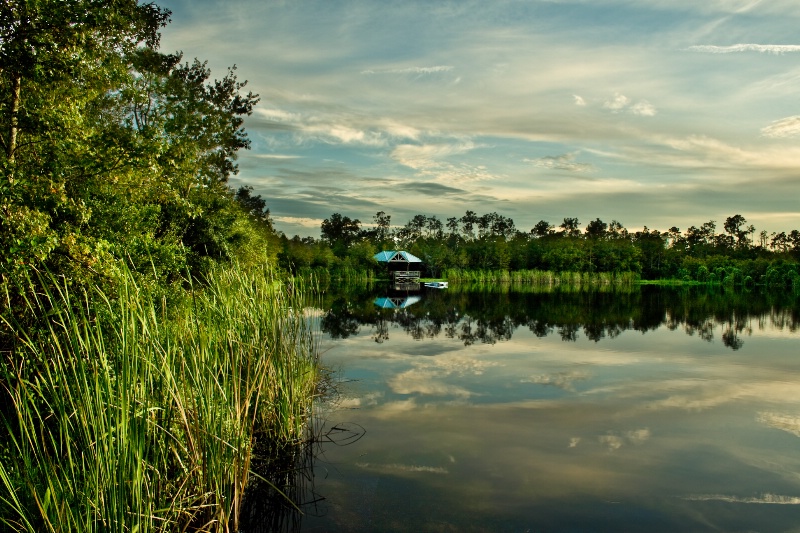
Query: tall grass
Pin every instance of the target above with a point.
(340, 276)
(539, 277)
(122, 420)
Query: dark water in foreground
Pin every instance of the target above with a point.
(647, 410)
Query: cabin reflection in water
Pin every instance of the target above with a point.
(396, 302)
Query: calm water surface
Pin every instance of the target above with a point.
(640, 410)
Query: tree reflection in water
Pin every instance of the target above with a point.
(492, 314)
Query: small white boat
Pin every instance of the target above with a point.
(436, 284)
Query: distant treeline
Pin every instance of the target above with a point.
(492, 242)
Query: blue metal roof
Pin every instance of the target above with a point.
(395, 256)
(397, 302)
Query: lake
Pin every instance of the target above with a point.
(490, 409)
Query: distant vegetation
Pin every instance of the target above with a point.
(490, 246)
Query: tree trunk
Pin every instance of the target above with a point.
(11, 148)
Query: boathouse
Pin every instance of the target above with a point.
(400, 264)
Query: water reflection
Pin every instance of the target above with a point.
(489, 316)
(641, 410)
(281, 489)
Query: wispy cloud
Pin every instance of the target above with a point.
(785, 127)
(274, 157)
(616, 441)
(338, 127)
(430, 160)
(426, 156)
(410, 70)
(300, 221)
(422, 187)
(562, 380)
(561, 162)
(429, 376)
(702, 151)
(396, 467)
(278, 115)
(770, 499)
(643, 108)
(738, 48)
(579, 100)
(342, 133)
(787, 423)
(370, 399)
(620, 103)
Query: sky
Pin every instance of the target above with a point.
(654, 113)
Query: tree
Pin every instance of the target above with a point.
(542, 229)
(435, 227)
(762, 238)
(193, 126)
(651, 245)
(383, 224)
(709, 231)
(340, 232)
(468, 222)
(502, 226)
(484, 224)
(794, 238)
(570, 227)
(255, 206)
(47, 42)
(452, 226)
(416, 226)
(675, 237)
(734, 227)
(112, 149)
(780, 242)
(616, 230)
(65, 142)
(596, 229)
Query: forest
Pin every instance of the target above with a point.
(492, 243)
(116, 152)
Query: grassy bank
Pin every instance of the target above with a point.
(117, 418)
(539, 277)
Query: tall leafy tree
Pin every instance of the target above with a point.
(61, 65)
(383, 224)
(47, 42)
(542, 229)
(340, 232)
(596, 229)
(570, 227)
(112, 149)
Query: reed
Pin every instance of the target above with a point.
(539, 277)
(123, 420)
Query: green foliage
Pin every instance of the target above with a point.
(114, 151)
(491, 243)
(340, 232)
(118, 418)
